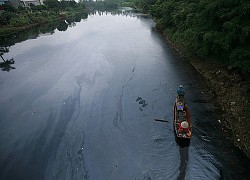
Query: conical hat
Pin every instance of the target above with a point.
(184, 124)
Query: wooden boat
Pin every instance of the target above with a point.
(182, 121)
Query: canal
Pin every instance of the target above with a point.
(80, 102)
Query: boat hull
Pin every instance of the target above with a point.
(182, 120)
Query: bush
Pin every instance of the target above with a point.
(38, 7)
(9, 8)
(37, 19)
(240, 57)
(5, 17)
(21, 9)
(19, 21)
(52, 17)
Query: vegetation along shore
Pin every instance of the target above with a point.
(14, 19)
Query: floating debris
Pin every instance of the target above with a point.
(139, 98)
(161, 120)
(145, 104)
(142, 102)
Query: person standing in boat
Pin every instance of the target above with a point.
(180, 101)
(180, 91)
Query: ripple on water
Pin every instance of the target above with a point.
(162, 158)
(202, 163)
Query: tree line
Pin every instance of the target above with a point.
(209, 29)
(103, 5)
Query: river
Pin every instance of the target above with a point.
(80, 103)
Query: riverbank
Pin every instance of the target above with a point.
(230, 90)
(39, 18)
(5, 31)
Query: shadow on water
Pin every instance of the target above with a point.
(6, 64)
(118, 11)
(183, 150)
(36, 31)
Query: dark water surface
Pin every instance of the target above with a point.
(69, 109)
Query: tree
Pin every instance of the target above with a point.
(62, 26)
(210, 29)
(9, 8)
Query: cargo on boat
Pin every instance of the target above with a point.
(182, 121)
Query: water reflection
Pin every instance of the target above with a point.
(122, 11)
(63, 25)
(48, 29)
(6, 65)
(33, 33)
(183, 150)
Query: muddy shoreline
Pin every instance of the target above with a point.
(229, 92)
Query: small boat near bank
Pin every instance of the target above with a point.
(182, 120)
